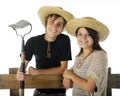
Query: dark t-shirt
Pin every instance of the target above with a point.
(60, 51)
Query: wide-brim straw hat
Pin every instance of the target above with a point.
(88, 22)
(43, 13)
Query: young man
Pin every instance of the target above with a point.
(52, 49)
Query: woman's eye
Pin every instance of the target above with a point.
(79, 34)
(88, 34)
(51, 22)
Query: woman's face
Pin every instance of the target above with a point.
(84, 39)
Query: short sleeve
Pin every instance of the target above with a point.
(98, 67)
(65, 50)
(29, 49)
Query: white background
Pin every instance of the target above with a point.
(12, 11)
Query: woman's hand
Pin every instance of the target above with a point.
(67, 83)
(68, 73)
(67, 78)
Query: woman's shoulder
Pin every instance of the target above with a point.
(99, 54)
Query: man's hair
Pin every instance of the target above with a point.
(55, 16)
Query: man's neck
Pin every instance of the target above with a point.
(49, 39)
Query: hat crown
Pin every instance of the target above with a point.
(89, 18)
(60, 7)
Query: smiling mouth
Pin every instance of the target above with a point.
(53, 32)
(83, 42)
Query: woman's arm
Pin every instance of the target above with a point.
(86, 84)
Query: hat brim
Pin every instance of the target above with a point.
(43, 13)
(88, 22)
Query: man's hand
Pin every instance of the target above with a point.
(20, 75)
(33, 71)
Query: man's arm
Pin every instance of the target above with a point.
(20, 75)
(54, 70)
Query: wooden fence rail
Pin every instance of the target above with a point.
(8, 81)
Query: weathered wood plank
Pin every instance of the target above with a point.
(114, 81)
(8, 81)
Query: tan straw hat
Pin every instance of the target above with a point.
(43, 12)
(89, 22)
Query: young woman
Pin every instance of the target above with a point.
(89, 73)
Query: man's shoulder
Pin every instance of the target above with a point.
(63, 36)
(35, 38)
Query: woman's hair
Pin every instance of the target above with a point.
(55, 16)
(95, 37)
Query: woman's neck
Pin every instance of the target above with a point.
(87, 52)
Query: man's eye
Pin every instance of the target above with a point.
(60, 24)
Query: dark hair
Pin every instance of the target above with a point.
(95, 36)
(55, 17)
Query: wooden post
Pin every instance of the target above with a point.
(13, 92)
(109, 91)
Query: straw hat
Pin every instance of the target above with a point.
(89, 22)
(43, 12)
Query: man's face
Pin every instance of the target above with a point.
(54, 26)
